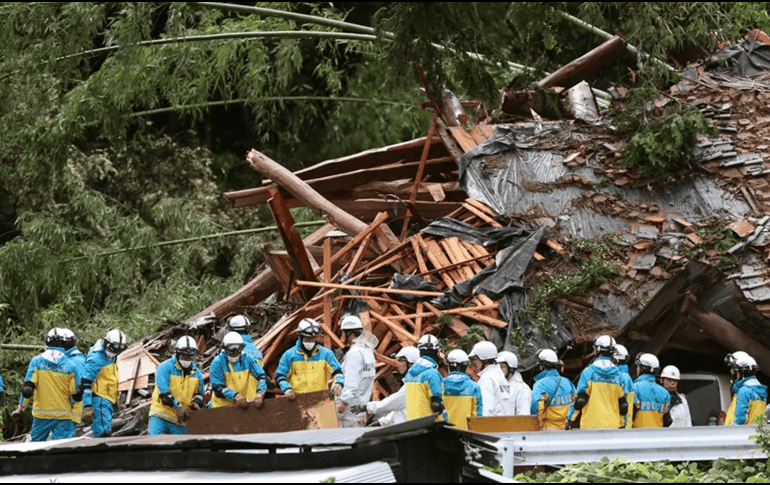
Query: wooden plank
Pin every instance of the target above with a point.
(440, 260)
(383, 345)
(479, 252)
(464, 139)
(420, 260)
(381, 217)
(291, 239)
(480, 206)
(374, 289)
(586, 65)
(451, 311)
(418, 177)
(135, 374)
(555, 246)
(406, 318)
(478, 135)
(418, 321)
(327, 270)
(457, 325)
(465, 255)
(275, 341)
(360, 253)
(485, 217)
(488, 320)
(281, 266)
(503, 424)
(398, 331)
(383, 358)
(449, 142)
(454, 256)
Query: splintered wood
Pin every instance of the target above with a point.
(397, 317)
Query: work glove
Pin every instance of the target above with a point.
(194, 406)
(567, 425)
(290, 394)
(241, 402)
(358, 409)
(17, 414)
(181, 414)
(88, 416)
(259, 401)
(336, 389)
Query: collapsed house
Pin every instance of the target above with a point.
(458, 234)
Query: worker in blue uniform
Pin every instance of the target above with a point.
(750, 396)
(69, 344)
(51, 382)
(100, 382)
(236, 377)
(462, 396)
(241, 324)
(178, 390)
(424, 394)
(306, 366)
(651, 400)
(620, 359)
(552, 394)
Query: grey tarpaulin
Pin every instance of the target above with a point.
(411, 282)
(483, 236)
(747, 59)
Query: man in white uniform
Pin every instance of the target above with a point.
(520, 392)
(392, 409)
(680, 410)
(358, 370)
(495, 390)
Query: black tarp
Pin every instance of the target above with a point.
(747, 59)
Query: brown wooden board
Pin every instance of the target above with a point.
(314, 410)
(503, 424)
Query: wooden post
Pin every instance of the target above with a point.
(587, 64)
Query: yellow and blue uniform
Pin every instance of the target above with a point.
(544, 389)
(628, 388)
(252, 350)
(602, 383)
(651, 402)
(244, 377)
(52, 379)
(423, 384)
(100, 385)
(79, 360)
(174, 387)
(749, 402)
(462, 398)
(303, 372)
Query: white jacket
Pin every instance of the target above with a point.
(495, 392)
(521, 395)
(680, 414)
(358, 369)
(391, 410)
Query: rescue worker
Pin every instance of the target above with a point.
(680, 410)
(242, 325)
(552, 395)
(392, 409)
(100, 382)
(462, 396)
(358, 371)
(236, 377)
(521, 394)
(750, 396)
(600, 397)
(495, 390)
(651, 400)
(51, 381)
(178, 390)
(69, 344)
(304, 367)
(620, 359)
(424, 395)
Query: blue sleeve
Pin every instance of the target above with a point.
(162, 378)
(259, 373)
(283, 370)
(28, 377)
(479, 402)
(201, 386)
(536, 396)
(93, 365)
(78, 376)
(434, 382)
(331, 359)
(2, 386)
(742, 406)
(585, 378)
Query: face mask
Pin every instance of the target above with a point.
(110, 355)
(308, 345)
(185, 363)
(233, 360)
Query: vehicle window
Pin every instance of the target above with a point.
(703, 399)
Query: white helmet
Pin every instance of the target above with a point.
(351, 322)
(186, 346)
(621, 354)
(648, 362)
(233, 344)
(308, 328)
(239, 323)
(733, 357)
(670, 372)
(411, 354)
(604, 345)
(484, 351)
(746, 365)
(115, 341)
(509, 358)
(428, 342)
(548, 358)
(55, 338)
(458, 357)
(69, 339)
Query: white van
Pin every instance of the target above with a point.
(708, 396)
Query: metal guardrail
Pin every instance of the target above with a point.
(646, 444)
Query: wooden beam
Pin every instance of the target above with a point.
(418, 177)
(398, 331)
(730, 336)
(586, 65)
(374, 289)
